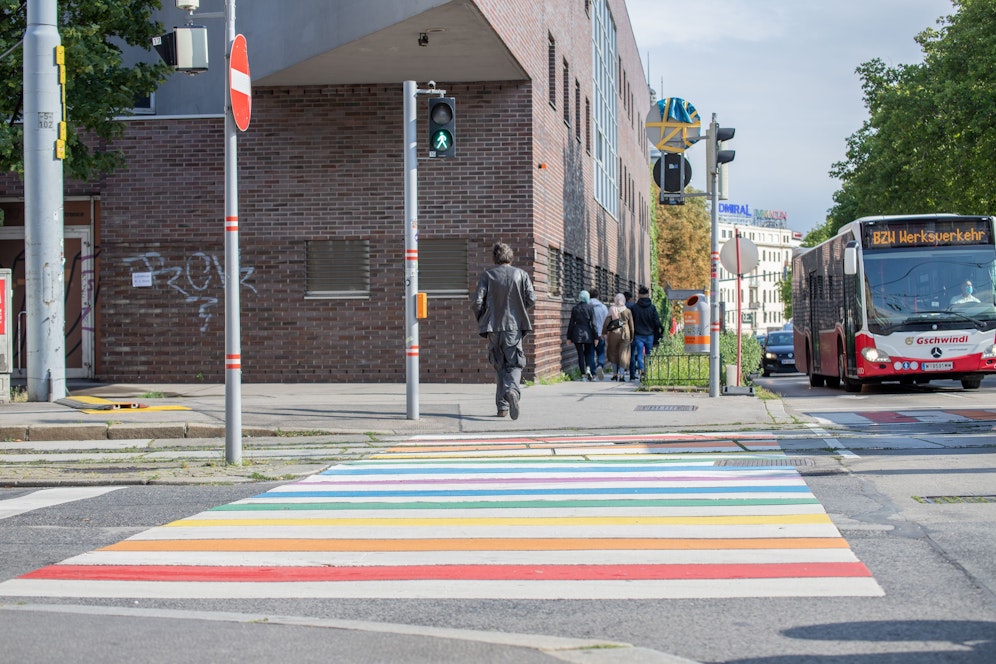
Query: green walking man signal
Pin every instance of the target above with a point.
(442, 127)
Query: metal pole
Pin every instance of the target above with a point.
(411, 248)
(233, 340)
(714, 284)
(44, 258)
(740, 304)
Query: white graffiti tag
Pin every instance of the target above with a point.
(198, 273)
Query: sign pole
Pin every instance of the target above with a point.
(713, 176)
(411, 248)
(233, 332)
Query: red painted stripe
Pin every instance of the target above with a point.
(192, 573)
(231, 223)
(888, 417)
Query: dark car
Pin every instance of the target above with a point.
(779, 353)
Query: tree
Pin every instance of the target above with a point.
(931, 128)
(682, 246)
(99, 87)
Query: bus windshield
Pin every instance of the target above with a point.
(930, 288)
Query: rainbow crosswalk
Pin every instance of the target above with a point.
(584, 517)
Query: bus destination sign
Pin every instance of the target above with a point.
(916, 233)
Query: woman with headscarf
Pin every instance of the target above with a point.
(618, 329)
(582, 333)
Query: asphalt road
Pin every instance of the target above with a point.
(914, 496)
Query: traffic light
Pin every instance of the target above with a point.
(442, 127)
(717, 157)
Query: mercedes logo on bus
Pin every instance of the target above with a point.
(935, 352)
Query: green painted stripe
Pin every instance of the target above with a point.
(523, 504)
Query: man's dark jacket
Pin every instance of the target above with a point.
(503, 295)
(646, 320)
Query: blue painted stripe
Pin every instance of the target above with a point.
(536, 492)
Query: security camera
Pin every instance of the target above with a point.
(188, 5)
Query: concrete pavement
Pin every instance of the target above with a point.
(145, 433)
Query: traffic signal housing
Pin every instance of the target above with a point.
(442, 127)
(717, 158)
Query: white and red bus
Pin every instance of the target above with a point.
(898, 298)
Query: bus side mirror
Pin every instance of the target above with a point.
(851, 258)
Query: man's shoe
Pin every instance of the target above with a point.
(601, 373)
(512, 397)
(502, 413)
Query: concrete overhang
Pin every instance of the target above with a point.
(329, 42)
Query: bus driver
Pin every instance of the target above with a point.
(965, 297)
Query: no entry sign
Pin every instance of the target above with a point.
(239, 83)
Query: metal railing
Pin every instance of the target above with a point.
(670, 370)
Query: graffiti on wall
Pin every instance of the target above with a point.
(194, 278)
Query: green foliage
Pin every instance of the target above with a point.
(99, 86)
(926, 144)
(785, 290)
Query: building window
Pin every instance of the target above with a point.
(551, 74)
(567, 94)
(555, 270)
(577, 110)
(587, 125)
(442, 266)
(144, 104)
(604, 103)
(338, 268)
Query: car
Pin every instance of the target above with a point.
(779, 353)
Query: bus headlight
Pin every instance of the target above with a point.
(989, 352)
(874, 355)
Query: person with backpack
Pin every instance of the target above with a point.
(647, 329)
(582, 333)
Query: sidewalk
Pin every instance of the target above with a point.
(176, 433)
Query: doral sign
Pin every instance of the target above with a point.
(673, 125)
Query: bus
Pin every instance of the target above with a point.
(905, 299)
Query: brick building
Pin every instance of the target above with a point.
(551, 158)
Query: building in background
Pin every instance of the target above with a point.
(762, 308)
(551, 158)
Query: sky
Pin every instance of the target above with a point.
(782, 72)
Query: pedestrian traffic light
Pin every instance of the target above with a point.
(717, 157)
(442, 127)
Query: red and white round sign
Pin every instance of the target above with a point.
(239, 83)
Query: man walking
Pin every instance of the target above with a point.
(500, 303)
(601, 313)
(647, 329)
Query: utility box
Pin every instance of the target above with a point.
(185, 49)
(6, 339)
(696, 318)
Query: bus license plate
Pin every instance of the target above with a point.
(938, 366)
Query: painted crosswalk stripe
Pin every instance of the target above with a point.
(582, 517)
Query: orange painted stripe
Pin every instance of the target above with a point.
(482, 544)
(591, 447)
(975, 414)
(258, 574)
(696, 340)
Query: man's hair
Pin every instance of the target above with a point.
(502, 253)
(644, 290)
(628, 295)
(593, 293)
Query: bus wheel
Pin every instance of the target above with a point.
(849, 385)
(972, 382)
(815, 379)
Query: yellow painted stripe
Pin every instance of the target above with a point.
(481, 544)
(787, 519)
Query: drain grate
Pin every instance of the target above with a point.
(667, 408)
(767, 463)
(954, 499)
